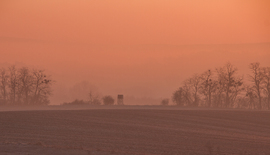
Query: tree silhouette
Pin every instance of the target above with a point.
(165, 101)
(257, 78)
(24, 86)
(178, 97)
(229, 83)
(108, 100)
(4, 85)
(266, 84)
(207, 86)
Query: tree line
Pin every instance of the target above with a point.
(24, 86)
(224, 88)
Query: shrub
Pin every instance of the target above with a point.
(76, 102)
(165, 101)
(108, 100)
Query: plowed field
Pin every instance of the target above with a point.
(135, 131)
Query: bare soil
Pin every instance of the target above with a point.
(134, 130)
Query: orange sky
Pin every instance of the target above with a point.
(135, 47)
(137, 21)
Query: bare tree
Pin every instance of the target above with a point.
(236, 90)
(13, 83)
(94, 98)
(42, 87)
(187, 96)
(229, 83)
(226, 89)
(257, 78)
(178, 97)
(218, 96)
(25, 80)
(195, 82)
(24, 86)
(207, 86)
(191, 90)
(4, 84)
(266, 84)
(251, 96)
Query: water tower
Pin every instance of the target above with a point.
(120, 99)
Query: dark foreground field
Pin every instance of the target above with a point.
(135, 131)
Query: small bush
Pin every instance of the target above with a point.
(76, 102)
(108, 100)
(165, 101)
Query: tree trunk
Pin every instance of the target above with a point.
(227, 99)
(260, 100)
(268, 100)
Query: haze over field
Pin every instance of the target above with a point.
(63, 63)
(138, 48)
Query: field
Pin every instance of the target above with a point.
(133, 130)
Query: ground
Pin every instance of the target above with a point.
(133, 130)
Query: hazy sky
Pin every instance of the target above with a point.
(134, 47)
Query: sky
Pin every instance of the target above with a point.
(141, 48)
